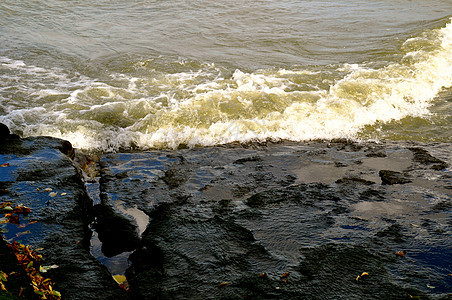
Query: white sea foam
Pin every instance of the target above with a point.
(363, 97)
(205, 106)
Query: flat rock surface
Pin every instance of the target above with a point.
(286, 221)
(318, 220)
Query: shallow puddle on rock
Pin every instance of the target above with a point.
(319, 173)
(116, 264)
(375, 210)
(140, 217)
(395, 161)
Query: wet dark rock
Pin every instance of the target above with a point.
(376, 154)
(443, 205)
(338, 267)
(240, 191)
(179, 248)
(345, 145)
(340, 164)
(392, 177)
(4, 131)
(248, 159)
(117, 233)
(354, 180)
(43, 178)
(241, 216)
(223, 206)
(174, 178)
(306, 195)
(338, 210)
(439, 166)
(149, 259)
(122, 175)
(5, 134)
(394, 232)
(371, 194)
(66, 148)
(422, 156)
(211, 220)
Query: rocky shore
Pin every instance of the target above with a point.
(315, 220)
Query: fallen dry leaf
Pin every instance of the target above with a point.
(5, 165)
(363, 274)
(20, 209)
(44, 269)
(13, 219)
(223, 284)
(285, 275)
(3, 205)
(401, 253)
(263, 275)
(119, 278)
(19, 234)
(3, 276)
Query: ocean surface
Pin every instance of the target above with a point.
(117, 75)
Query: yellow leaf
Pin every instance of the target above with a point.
(119, 278)
(223, 284)
(44, 269)
(3, 276)
(56, 293)
(40, 293)
(362, 275)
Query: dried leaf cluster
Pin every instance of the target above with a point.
(11, 215)
(30, 262)
(27, 258)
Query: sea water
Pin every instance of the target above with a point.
(118, 75)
